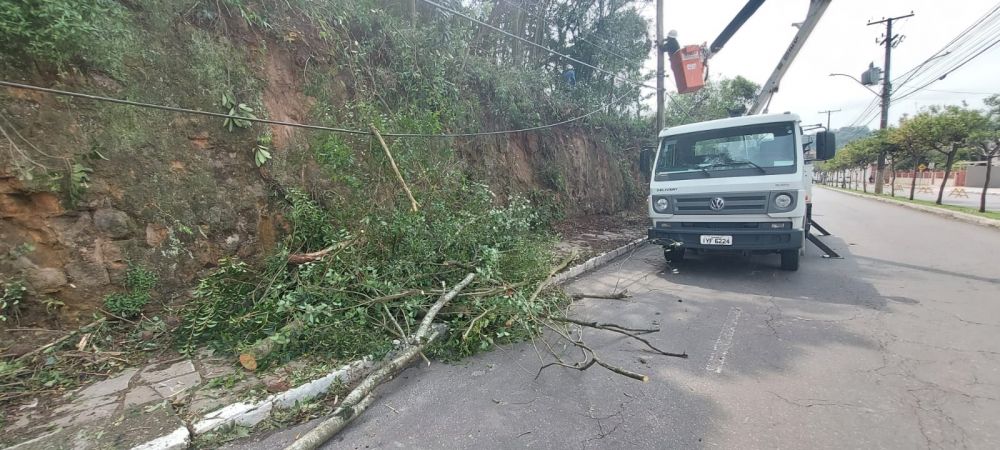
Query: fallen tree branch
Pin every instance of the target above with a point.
(474, 320)
(615, 296)
(359, 398)
(545, 283)
(603, 326)
(57, 342)
(590, 359)
(621, 330)
(302, 258)
(392, 162)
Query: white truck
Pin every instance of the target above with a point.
(742, 184)
(737, 185)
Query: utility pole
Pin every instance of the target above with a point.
(889, 41)
(828, 112)
(659, 67)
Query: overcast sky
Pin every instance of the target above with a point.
(842, 42)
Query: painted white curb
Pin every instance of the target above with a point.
(968, 218)
(248, 414)
(179, 439)
(597, 261)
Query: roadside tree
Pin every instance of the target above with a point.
(946, 131)
(910, 150)
(986, 140)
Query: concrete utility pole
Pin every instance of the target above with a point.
(659, 66)
(828, 112)
(889, 41)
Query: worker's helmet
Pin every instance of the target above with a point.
(672, 34)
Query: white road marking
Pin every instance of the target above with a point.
(724, 341)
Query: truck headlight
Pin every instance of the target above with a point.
(782, 201)
(661, 204)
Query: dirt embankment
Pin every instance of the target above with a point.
(175, 193)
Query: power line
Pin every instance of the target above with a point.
(960, 46)
(542, 47)
(961, 92)
(959, 66)
(294, 124)
(941, 52)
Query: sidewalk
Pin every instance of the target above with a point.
(167, 404)
(941, 211)
(136, 406)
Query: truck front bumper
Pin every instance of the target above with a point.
(743, 239)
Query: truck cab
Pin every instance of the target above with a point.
(736, 185)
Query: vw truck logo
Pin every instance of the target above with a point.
(717, 204)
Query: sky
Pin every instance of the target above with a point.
(841, 43)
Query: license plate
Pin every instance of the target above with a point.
(713, 239)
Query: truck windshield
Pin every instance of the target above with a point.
(728, 152)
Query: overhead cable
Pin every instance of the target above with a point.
(295, 124)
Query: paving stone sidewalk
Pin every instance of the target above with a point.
(133, 407)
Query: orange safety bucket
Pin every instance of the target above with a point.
(689, 69)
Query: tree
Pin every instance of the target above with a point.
(911, 150)
(717, 100)
(946, 131)
(986, 139)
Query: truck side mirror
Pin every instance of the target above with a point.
(826, 145)
(646, 157)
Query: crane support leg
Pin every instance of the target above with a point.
(829, 252)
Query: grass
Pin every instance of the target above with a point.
(995, 215)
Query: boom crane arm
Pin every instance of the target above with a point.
(763, 99)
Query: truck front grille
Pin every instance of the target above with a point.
(741, 203)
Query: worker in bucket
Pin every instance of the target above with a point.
(671, 45)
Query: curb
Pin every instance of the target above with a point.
(597, 261)
(968, 218)
(249, 414)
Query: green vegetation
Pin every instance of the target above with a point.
(139, 283)
(11, 294)
(56, 31)
(340, 306)
(938, 135)
(356, 63)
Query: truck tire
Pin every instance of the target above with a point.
(790, 260)
(673, 255)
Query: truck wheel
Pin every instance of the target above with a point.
(673, 255)
(790, 260)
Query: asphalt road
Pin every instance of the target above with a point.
(894, 346)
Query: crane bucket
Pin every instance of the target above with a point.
(689, 68)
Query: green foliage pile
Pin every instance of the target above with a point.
(139, 283)
(332, 307)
